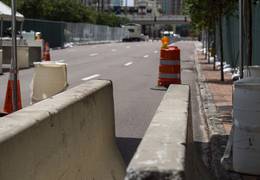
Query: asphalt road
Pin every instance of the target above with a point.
(133, 69)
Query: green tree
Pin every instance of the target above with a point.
(207, 15)
(65, 10)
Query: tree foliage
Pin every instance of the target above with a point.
(65, 10)
(205, 13)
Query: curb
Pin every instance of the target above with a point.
(217, 135)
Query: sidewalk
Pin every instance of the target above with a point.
(221, 91)
(216, 96)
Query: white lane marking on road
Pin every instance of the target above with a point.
(114, 50)
(128, 64)
(93, 54)
(155, 52)
(138, 45)
(146, 56)
(127, 47)
(90, 77)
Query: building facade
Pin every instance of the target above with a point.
(148, 7)
(98, 4)
(171, 7)
(117, 3)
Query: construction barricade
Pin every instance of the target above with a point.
(170, 68)
(50, 78)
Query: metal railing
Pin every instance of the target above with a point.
(82, 32)
(58, 33)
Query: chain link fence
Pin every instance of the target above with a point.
(59, 33)
(230, 27)
(82, 32)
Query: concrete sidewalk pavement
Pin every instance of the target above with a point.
(216, 97)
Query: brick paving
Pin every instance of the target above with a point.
(221, 91)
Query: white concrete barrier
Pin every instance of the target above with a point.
(161, 154)
(70, 136)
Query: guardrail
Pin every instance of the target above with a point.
(157, 19)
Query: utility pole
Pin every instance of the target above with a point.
(14, 68)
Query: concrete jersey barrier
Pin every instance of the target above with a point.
(70, 136)
(161, 154)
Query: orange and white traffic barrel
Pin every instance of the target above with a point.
(170, 67)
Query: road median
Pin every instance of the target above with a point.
(162, 152)
(69, 136)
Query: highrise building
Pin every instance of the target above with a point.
(117, 3)
(101, 4)
(146, 7)
(171, 7)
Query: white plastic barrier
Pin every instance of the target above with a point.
(246, 140)
(49, 79)
(70, 136)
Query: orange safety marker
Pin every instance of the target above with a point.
(165, 42)
(170, 68)
(46, 53)
(8, 105)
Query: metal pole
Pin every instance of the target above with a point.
(2, 33)
(241, 37)
(14, 69)
(221, 49)
(102, 5)
(250, 34)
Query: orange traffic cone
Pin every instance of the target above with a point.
(46, 53)
(8, 105)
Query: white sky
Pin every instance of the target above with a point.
(129, 2)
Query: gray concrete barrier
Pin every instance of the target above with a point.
(161, 154)
(70, 136)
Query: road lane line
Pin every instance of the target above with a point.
(146, 56)
(90, 77)
(155, 52)
(93, 54)
(128, 64)
(114, 50)
(127, 47)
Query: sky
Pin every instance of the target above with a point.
(129, 2)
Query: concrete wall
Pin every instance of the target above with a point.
(161, 154)
(68, 137)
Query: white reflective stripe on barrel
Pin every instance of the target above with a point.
(169, 76)
(170, 62)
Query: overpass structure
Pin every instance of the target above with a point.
(165, 19)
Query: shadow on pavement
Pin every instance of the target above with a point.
(127, 147)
